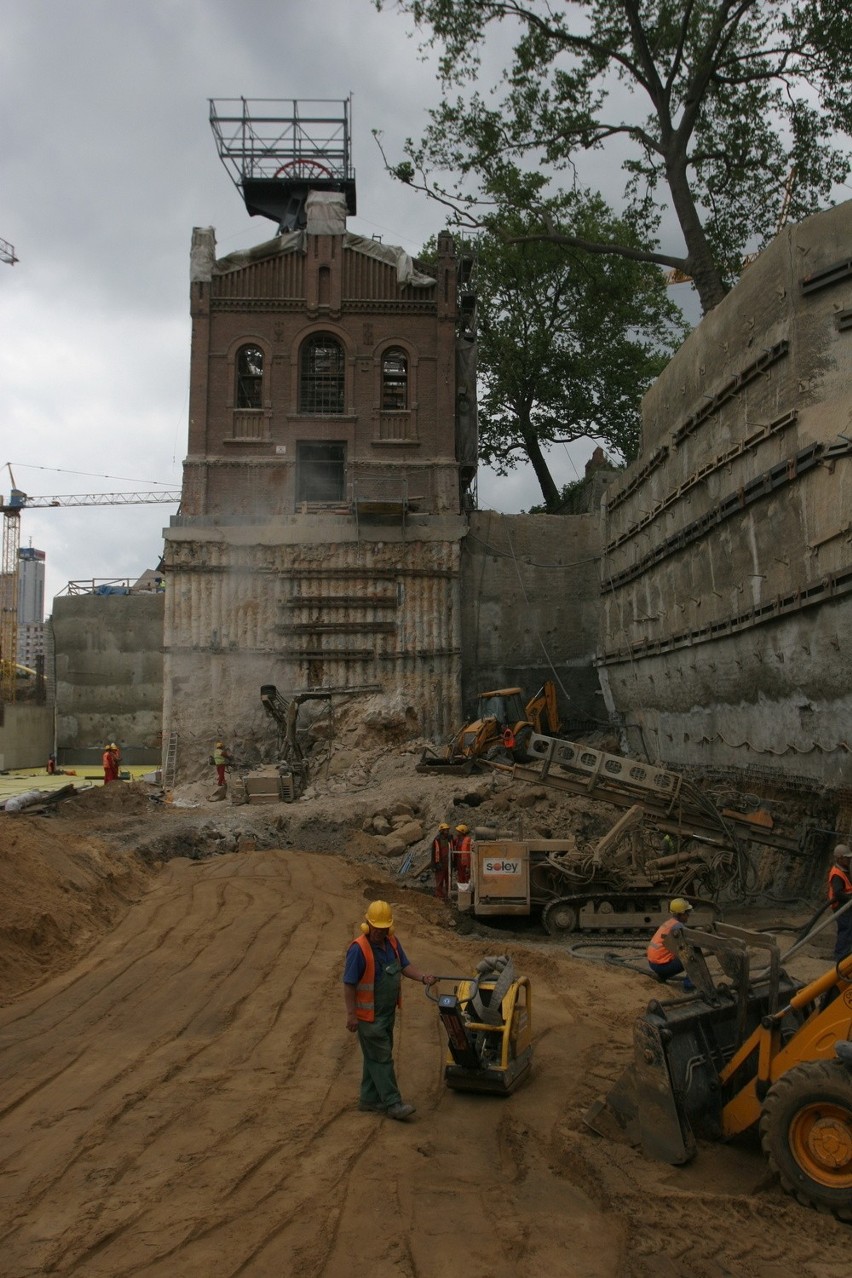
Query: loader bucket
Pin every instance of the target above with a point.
(447, 767)
(672, 1093)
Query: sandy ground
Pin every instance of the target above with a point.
(181, 1098)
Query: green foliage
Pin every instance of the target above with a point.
(728, 110)
(567, 343)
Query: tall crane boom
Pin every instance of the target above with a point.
(164, 496)
(11, 511)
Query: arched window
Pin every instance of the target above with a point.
(249, 377)
(394, 380)
(321, 375)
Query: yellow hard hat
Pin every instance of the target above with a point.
(679, 906)
(219, 744)
(379, 914)
(462, 829)
(443, 826)
(113, 746)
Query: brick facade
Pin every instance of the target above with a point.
(332, 439)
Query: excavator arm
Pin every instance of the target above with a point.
(543, 712)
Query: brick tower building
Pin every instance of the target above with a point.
(332, 441)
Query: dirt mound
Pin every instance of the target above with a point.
(61, 887)
(186, 1103)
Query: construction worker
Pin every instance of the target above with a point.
(108, 762)
(221, 759)
(375, 963)
(462, 846)
(662, 962)
(839, 892)
(116, 760)
(442, 846)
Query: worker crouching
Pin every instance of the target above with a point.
(375, 964)
(662, 962)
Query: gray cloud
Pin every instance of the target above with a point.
(108, 164)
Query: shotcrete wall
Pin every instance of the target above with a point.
(26, 735)
(727, 573)
(369, 613)
(109, 674)
(530, 601)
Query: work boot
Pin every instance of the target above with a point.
(400, 1110)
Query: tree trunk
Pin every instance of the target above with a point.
(701, 265)
(548, 488)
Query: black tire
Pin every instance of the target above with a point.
(521, 752)
(560, 918)
(806, 1134)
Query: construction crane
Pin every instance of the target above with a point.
(7, 252)
(11, 511)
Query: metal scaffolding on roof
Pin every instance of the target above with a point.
(277, 149)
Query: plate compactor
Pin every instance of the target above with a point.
(488, 1023)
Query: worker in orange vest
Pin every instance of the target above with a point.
(662, 962)
(441, 848)
(462, 846)
(108, 762)
(375, 964)
(839, 892)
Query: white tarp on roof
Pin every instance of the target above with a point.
(324, 213)
(394, 256)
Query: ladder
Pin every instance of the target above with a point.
(170, 761)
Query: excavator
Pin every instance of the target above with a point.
(758, 1051)
(501, 732)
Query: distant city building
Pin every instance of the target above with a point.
(30, 605)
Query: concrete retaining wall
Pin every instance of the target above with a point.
(26, 735)
(727, 571)
(530, 601)
(108, 673)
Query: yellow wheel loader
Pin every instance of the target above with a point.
(756, 1051)
(502, 730)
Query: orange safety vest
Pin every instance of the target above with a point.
(658, 951)
(836, 873)
(440, 849)
(365, 1008)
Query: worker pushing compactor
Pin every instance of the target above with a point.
(375, 964)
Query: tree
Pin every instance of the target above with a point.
(733, 105)
(568, 344)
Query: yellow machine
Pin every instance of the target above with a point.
(502, 729)
(758, 1051)
(488, 1023)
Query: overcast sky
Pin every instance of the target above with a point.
(108, 162)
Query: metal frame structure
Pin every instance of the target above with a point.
(277, 149)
